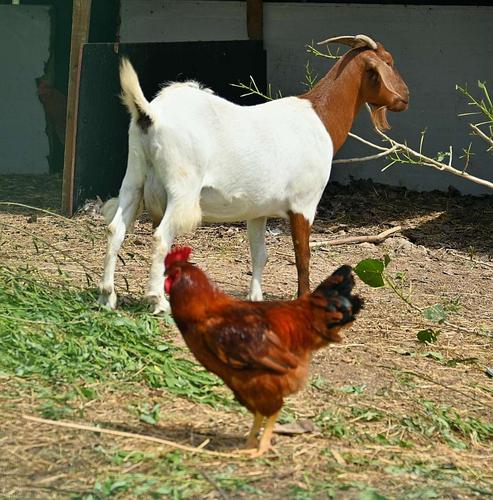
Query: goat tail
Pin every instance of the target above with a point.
(133, 97)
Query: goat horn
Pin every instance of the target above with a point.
(352, 41)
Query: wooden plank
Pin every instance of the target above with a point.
(255, 18)
(80, 30)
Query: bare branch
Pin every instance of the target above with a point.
(128, 435)
(374, 238)
(430, 162)
(481, 134)
(386, 152)
(368, 143)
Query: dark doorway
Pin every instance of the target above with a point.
(102, 122)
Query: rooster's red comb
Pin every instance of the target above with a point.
(178, 254)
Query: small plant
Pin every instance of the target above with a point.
(374, 273)
(252, 89)
(366, 414)
(428, 335)
(58, 335)
(447, 423)
(318, 382)
(332, 423)
(353, 389)
(435, 313)
(310, 77)
(149, 414)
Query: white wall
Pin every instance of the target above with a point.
(182, 20)
(435, 48)
(24, 49)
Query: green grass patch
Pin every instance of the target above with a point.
(168, 475)
(58, 334)
(444, 422)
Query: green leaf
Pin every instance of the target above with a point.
(353, 389)
(434, 355)
(428, 335)
(371, 494)
(435, 313)
(370, 271)
(318, 382)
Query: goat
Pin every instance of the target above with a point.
(195, 157)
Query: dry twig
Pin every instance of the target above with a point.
(350, 240)
(434, 381)
(397, 147)
(130, 435)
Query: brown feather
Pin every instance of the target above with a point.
(260, 349)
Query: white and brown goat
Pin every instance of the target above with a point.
(196, 157)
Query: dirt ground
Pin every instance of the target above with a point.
(388, 410)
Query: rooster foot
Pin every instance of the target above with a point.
(252, 443)
(253, 452)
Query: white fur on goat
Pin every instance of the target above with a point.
(195, 157)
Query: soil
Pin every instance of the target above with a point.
(443, 254)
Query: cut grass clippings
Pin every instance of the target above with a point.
(59, 335)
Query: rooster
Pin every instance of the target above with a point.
(261, 350)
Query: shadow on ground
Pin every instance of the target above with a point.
(41, 191)
(435, 219)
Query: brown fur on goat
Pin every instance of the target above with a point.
(362, 75)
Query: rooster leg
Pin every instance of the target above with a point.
(266, 436)
(252, 441)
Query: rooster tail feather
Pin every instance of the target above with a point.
(341, 306)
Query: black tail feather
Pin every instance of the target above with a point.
(336, 290)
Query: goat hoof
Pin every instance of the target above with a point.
(159, 304)
(161, 309)
(255, 297)
(107, 297)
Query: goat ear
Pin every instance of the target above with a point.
(385, 72)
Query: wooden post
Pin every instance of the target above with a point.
(255, 16)
(80, 32)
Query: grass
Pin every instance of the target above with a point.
(58, 344)
(429, 421)
(397, 418)
(59, 335)
(172, 477)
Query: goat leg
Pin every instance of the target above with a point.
(256, 238)
(126, 209)
(300, 232)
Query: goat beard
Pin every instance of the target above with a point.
(379, 118)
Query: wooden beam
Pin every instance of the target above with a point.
(255, 18)
(81, 17)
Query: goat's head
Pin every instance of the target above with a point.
(382, 87)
